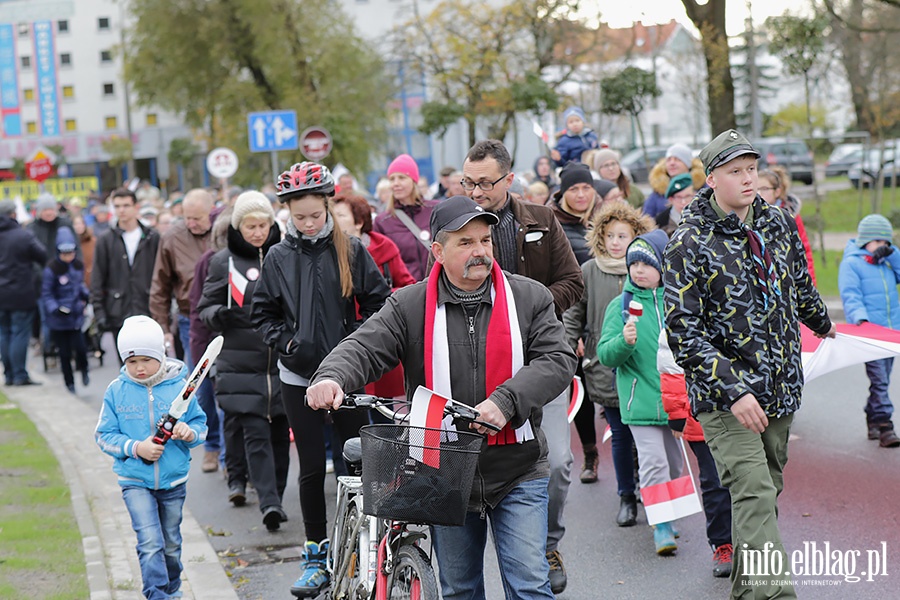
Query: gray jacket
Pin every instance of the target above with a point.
(585, 320)
(397, 334)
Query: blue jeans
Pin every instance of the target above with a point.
(879, 408)
(156, 519)
(622, 451)
(519, 530)
(15, 333)
(716, 497)
(184, 334)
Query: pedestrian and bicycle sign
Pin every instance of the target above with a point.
(272, 131)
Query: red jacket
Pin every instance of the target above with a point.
(674, 392)
(385, 253)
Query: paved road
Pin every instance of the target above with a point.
(841, 489)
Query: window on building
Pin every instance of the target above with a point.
(25, 61)
(30, 127)
(103, 23)
(24, 29)
(68, 91)
(28, 94)
(62, 26)
(105, 56)
(71, 125)
(151, 119)
(109, 89)
(112, 123)
(65, 59)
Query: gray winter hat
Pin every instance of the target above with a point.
(45, 202)
(7, 207)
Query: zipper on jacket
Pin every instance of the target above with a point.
(887, 294)
(152, 431)
(269, 383)
(631, 396)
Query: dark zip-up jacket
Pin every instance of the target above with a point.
(247, 369)
(63, 287)
(720, 333)
(298, 299)
(120, 290)
(396, 334)
(20, 254)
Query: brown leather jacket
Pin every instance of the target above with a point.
(178, 255)
(545, 254)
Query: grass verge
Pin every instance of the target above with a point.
(41, 552)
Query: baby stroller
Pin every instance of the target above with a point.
(92, 335)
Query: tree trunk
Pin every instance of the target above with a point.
(709, 19)
(860, 79)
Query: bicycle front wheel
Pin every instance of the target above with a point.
(413, 576)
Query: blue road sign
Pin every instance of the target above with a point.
(272, 131)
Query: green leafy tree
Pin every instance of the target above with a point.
(213, 61)
(794, 121)
(800, 42)
(120, 151)
(627, 92)
(485, 64)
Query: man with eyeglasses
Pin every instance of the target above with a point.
(529, 241)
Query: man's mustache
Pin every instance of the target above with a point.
(477, 261)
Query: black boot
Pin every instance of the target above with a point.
(627, 516)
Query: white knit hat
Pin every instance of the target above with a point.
(141, 336)
(251, 202)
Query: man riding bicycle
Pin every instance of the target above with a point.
(490, 340)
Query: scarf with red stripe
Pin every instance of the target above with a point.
(504, 353)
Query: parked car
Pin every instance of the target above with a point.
(791, 153)
(842, 158)
(872, 166)
(637, 167)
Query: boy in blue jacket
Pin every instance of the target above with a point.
(64, 296)
(153, 477)
(867, 279)
(575, 140)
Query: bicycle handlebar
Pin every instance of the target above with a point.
(454, 409)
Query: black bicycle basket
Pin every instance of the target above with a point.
(418, 474)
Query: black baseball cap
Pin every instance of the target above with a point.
(453, 213)
(727, 146)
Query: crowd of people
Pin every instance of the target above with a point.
(489, 287)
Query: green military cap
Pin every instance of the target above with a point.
(727, 146)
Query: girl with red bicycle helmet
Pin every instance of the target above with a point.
(305, 302)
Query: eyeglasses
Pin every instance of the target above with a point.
(485, 186)
(766, 189)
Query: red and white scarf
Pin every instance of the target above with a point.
(504, 353)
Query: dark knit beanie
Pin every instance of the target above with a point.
(574, 173)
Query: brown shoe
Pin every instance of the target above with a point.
(887, 438)
(210, 462)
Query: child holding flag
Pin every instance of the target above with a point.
(153, 477)
(631, 350)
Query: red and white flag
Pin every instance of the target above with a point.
(575, 398)
(539, 131)
(237, 284)
(854, 344)
(664, 502)
(427, 413)
(607, 434)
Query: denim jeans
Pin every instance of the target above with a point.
(879, 408)
(622, 451)
(156, 519)
(519, 531)
(15, 333)
(184, 334)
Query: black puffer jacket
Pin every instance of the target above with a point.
(298, 299)
(728, 340)
(247, 369)
(20, 254)
(120, 290)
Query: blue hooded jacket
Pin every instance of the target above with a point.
(869, 291)
(129, 415)
(63, 291)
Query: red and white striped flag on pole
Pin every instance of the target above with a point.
(575, 398)
(664, 502)
(237, 284)
(427, 411)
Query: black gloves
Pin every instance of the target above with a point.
(882, 252)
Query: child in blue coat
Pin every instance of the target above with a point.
(64, 296)
(575, 140)
(153, 477)
(867, 279)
